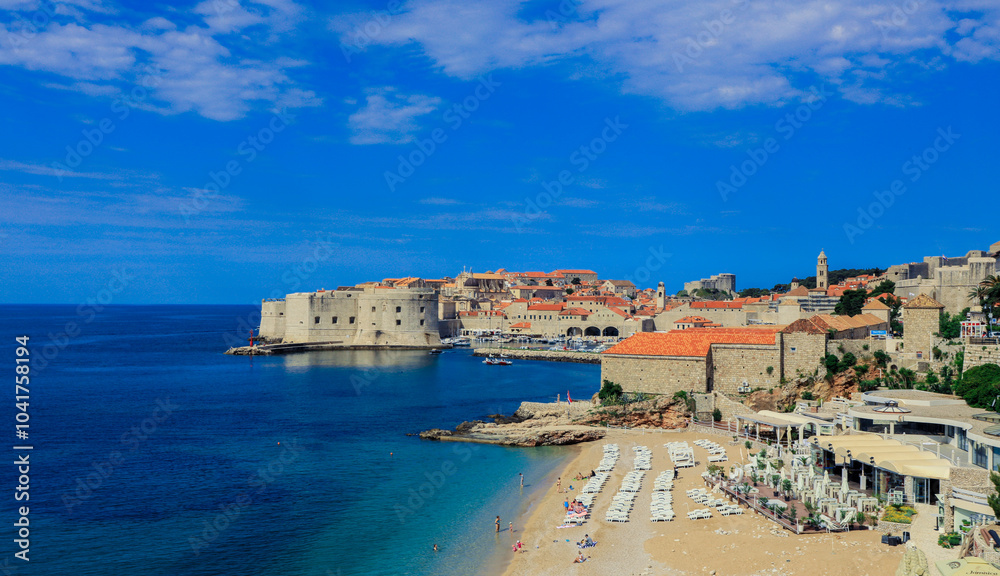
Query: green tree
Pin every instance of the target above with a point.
(847, 361)
(994, 499)
(884, 287)
(908, 376)
(851, 302)
(682, 294)
(832, 364)
(717, 415)
(951, 326)
(610, 392)
(881, 358)
(569, 291)
(979, 386)
(548, 282)
(575, 281)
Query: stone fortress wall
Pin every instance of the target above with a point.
(404, 317)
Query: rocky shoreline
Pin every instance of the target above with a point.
(560, 424)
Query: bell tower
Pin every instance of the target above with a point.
(822, 272)
(661, 296)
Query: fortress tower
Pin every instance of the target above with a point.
(822, 272)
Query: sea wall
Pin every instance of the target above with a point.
(548, 355)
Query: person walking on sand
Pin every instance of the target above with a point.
(510, 527)
(498, 524)
(559, 485)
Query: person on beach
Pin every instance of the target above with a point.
(580, 559)
(510, 527)
(559, 485)
(498, 524)
(435, 547)
(522, 479)
(566, 504)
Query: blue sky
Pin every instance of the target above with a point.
(223, 151)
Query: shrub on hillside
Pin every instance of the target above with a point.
(980, 385)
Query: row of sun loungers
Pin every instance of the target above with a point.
(643, 456)
(699, 514)
(661, 509)
(611, 454)
(622, 502)
(665, 481)
(716, 453)
(596, 483)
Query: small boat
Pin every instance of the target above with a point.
(492, 360)
(435, 352)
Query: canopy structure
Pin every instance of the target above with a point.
(781, 424)
(890, 455)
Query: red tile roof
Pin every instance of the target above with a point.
(693, 342)
(521, 325)
(718, 304)
(550, 307)
(576, 272)
(575, 312)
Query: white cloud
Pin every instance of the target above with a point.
(194, 68)
(703, 55)
(389, 117)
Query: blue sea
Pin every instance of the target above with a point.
(155, 453)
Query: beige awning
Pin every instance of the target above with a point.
(937, 468)
(759, 418)
(971, 506)
(790, 416)
(883, 453)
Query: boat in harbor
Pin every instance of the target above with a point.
(501, 360)
(435, 352)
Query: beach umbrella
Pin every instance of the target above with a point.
(826, 478)
(843, 482)
(967, 567)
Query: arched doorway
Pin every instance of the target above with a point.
(610, 331)
(574, 331)
(592, 331)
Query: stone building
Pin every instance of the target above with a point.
(354, 317)
(723, 282)
(947, 280)
(921, 320)
(730, 360)
(822, 272)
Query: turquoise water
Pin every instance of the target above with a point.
(156, 454)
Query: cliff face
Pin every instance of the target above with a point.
(844, 385)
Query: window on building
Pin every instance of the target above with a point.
(351, 320)
(979, 456)
(422, 309)
(793, 350)
(334, 319)
(421, 322)
(399, 322)
(963, 440)
(399, 309)
(373, 308)
(316, 321)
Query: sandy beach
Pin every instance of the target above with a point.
(744, 544)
